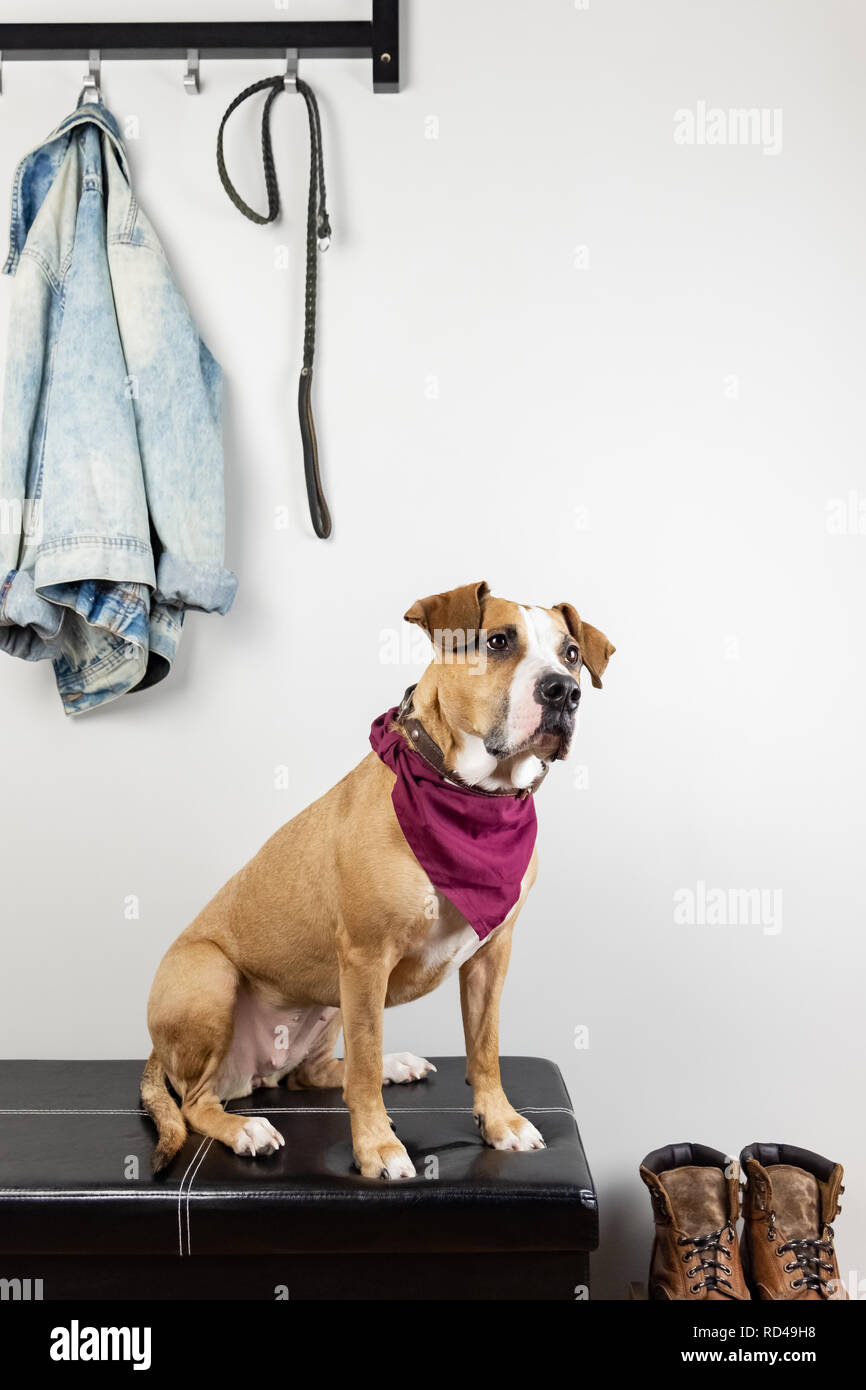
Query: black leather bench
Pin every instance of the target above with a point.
(82, 1217)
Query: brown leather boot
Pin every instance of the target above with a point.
(791, 1198)
(695, 1196)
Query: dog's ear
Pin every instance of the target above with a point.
(448, 618)
(595, 649)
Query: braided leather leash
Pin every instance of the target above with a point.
(318, 237)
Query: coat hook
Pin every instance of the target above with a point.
(290, 81)
(90, 91)
(190, 81)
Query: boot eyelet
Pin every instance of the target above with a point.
(789, 1268)
(796, 1283)
(686, 1257)
(696, 1288)
(780, 1249)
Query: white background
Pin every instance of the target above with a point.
(584, 445)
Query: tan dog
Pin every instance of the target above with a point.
(329, 924)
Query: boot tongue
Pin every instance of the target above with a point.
(699, 1198)
(796, 1201)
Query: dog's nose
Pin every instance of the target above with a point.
(559, 691)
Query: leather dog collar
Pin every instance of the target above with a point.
(428, 749)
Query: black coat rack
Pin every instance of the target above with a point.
(376, 39)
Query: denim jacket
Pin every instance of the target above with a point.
(112, 513)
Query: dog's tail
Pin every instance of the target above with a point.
(162, 1110)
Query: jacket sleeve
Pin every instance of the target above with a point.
(28, 619)
(175, 386)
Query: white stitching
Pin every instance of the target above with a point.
(188, 1190)
(286, 1194)
(402, 1110)
(180, 1195)
(88, 1193)
(315, 1110)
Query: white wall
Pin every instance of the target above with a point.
(584, 445)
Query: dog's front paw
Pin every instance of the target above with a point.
(509, 1130)
(404, 1066)
(386, 1160)
(257, 1136)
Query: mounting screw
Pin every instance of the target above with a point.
(384, 57)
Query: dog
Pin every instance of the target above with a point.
(336, 918)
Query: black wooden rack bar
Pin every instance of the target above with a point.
(376, 39)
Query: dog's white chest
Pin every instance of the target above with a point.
(450, 941)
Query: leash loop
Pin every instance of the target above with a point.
(318, 239)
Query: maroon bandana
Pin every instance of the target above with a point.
(474, 848)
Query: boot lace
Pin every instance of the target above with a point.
(807, 1255)
(711, 1269)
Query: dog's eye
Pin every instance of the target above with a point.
(497, 642)
(572, 655)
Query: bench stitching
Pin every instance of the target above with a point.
(180, 1194)
(188, 1191)
(317, 1110)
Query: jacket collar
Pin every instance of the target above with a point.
(38, 169)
